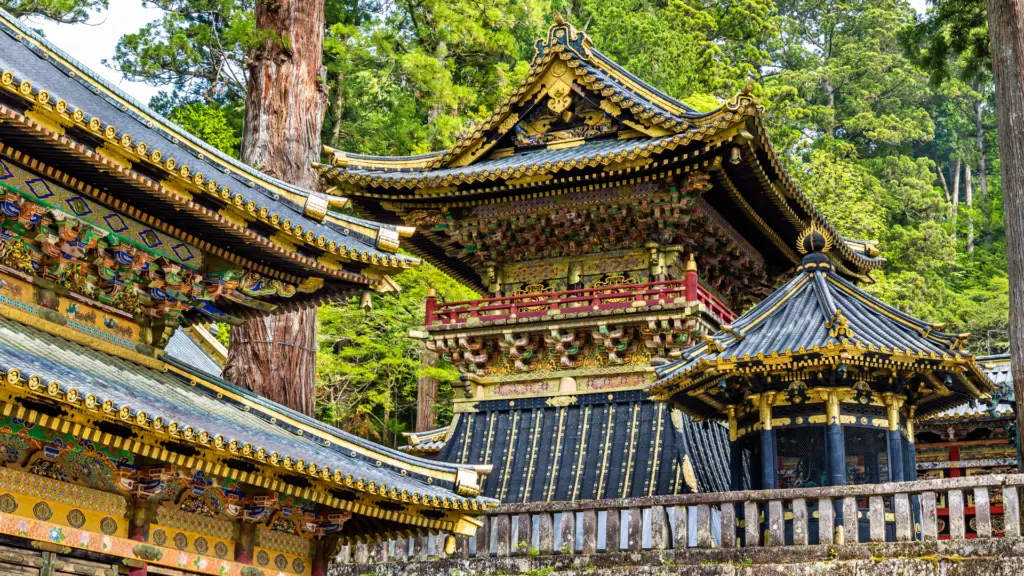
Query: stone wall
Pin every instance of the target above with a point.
(1002, 556)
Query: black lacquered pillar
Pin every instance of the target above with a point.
(836, 442)
(769, 461)
(735, 453)
(836, 446)
(892, 409)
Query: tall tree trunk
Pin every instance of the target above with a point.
(986, 217)
(830, 93)
(956, 185)
(337, 107)
(426, 397)
(1006, 35)
(275, 356)
(942, 179)
(969, 201)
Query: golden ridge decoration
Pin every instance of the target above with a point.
(839, 326)
(809, 232)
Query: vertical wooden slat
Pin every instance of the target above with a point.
(929, 517)
(752, 525)
(611, 526)
(982, 513)
(401, 549)
(800, 522)
(379, 553)
(547, 533)
(704, 538)
(680, 528)
(850, 532)
(462, 546)
(1011, 511)
(524, 535)
(660, 537)
(483, 538)
(589, 531)
(728, 525)
(362, 554)
(636, 529)
(876, 518)
(776, 524)
(568, 533)
(420, 551)
(503, 527)
(957, 530)
(904, 520)
(826, 521)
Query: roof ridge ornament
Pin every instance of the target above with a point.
(565, 35)
(839, 326)
(814, 239)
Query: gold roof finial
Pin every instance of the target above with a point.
(559, 19)
(814, 239)
(691, 265)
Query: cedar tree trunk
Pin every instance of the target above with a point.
(1006, 36)
(275, 356)
(426, 397)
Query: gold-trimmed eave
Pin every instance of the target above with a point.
(695, 380)
(161, 366)
(444, 184)
(176, 197)
(214, 447)
(151, 449)
(119, 150)
(56, 115)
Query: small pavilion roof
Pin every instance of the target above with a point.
(819, 319)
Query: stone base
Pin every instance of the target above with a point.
(1002, 556)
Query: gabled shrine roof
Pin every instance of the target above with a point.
(61, 118)
(578, 119)
(818, 318)
(214, 424)
(1003, 402)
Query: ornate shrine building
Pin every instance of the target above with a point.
(607, 226)
(116, 230)
(821, 384)
(972, 439)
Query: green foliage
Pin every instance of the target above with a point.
(368, 366)
(67, 11)
(212, 123)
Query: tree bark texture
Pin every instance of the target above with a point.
(275, 356)
(1006, 35)
(426, 397)
(969, 201)
(983, 172)
(956, 185)
(942, 179)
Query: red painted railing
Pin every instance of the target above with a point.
(543, 304)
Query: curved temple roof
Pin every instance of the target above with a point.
(819, 318)
(171, 404)
(655, 137)
(63, 120)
